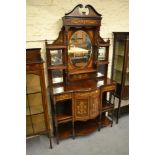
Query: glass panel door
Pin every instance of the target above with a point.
(119, 58)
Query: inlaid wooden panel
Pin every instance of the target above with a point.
(81, 106)
(63, 97)
(35, 103)
(108, 88)
(29, 129)
(82, 109)
(33, 83)
(38, 123)
(94, 103)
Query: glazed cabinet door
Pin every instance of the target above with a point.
(81, 106)
(35, 121)
(94, 103)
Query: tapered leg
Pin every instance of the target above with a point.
(118, 111)
(113, 109)
(50, 139)
(73, 130)
(57, 135)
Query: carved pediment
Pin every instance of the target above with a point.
(81, 11)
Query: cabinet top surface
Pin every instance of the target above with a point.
(86, 85)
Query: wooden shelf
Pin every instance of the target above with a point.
(102, 62)
(57, 67)
(62, 118)
(99, 75)
(89, 70)
(107, 107)
(105, 121)
(85, 128)
(57, 80)
(65, 131)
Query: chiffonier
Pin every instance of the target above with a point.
(77, 65)
(37, 121)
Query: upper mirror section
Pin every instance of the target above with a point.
(80, 48)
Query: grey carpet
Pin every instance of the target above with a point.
(109, 141)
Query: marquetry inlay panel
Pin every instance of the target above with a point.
(82, 109)
(63, 97)
(94, 104)
(86, 105)
(108, 88)
(82, 22)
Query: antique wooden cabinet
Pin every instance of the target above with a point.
(120, 66)
(78, 87)
(37, 121)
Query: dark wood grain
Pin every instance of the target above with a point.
(77, 100)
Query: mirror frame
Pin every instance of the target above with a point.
(86, 63)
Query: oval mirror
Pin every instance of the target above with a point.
(80, 48)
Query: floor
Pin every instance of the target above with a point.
(109, 141)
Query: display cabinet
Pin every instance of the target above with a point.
(120, 66)
(77, 63)
(37, 121)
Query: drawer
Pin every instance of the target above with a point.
(63, 97)
(87, 94)
(108, 88)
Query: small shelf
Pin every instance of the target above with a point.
(99, 75)
(85, 128)
(62, 118)
(105, 121)
(55, 47)
(65, 130)
(89, 70)
(57, 67)
(102, 62)
(107, 106)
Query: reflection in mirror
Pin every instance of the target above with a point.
(56, 57)
(101, 53)
(57, 76)
(80, 48)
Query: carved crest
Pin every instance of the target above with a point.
(76, 12)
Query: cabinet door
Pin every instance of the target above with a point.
(94, 103)
(120, 71)
(35, 121)
(81, 106)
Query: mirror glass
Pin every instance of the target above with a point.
(101, 53)
(80, 48)
(56, 57)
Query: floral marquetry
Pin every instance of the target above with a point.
(82, 111)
